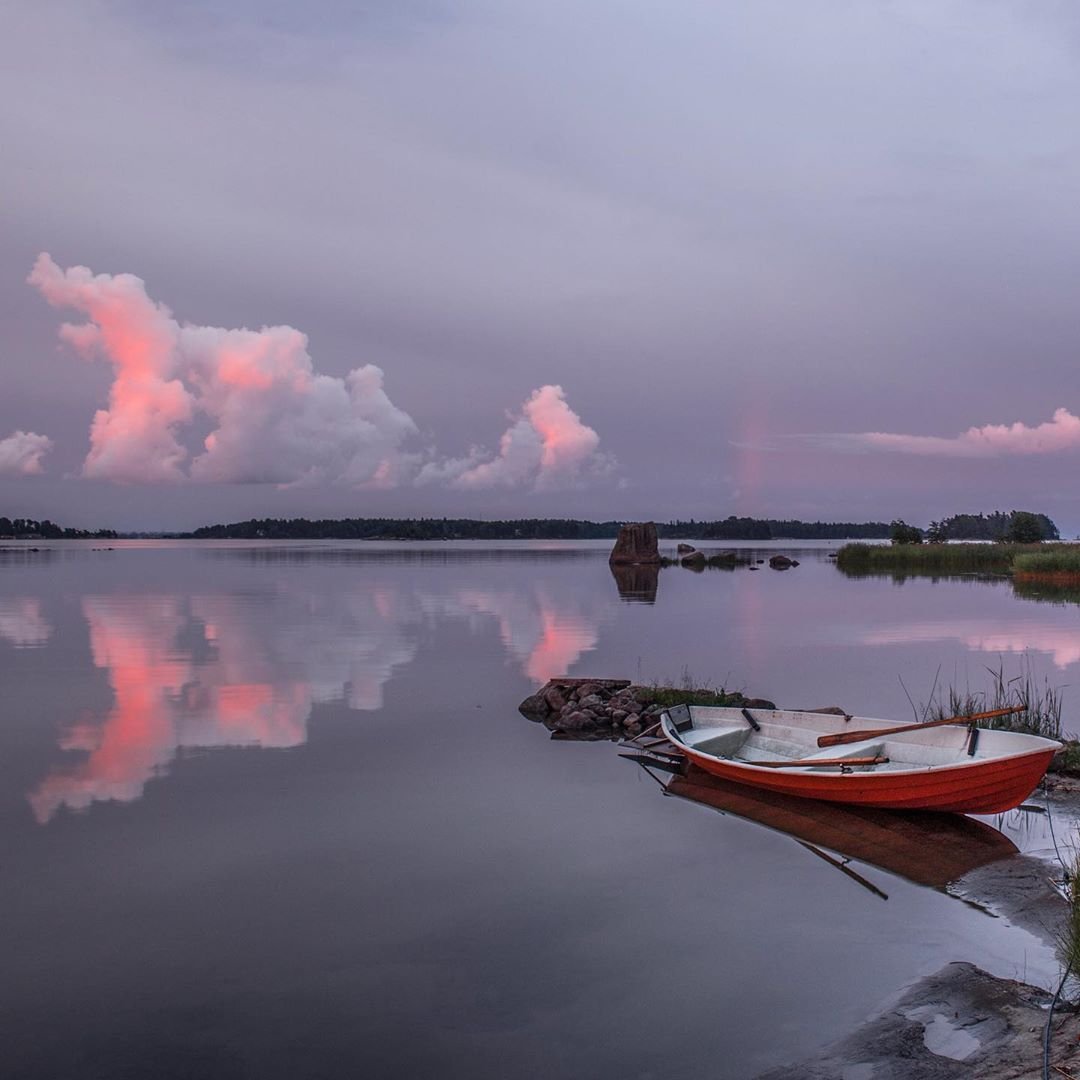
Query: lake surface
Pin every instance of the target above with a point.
(270, 811)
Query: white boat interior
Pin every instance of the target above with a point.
(786, 735)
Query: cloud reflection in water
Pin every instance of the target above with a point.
(244, 669)
(22, 623)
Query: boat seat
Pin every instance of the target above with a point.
(717, 741)
(866, 748)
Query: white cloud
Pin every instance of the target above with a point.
(21, 453)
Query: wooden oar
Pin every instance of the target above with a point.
(859, 736)
(804, 762)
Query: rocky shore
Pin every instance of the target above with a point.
(614, 708)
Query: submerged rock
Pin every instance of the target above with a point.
(960, 1022)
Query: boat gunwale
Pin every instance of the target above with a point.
(863, 771)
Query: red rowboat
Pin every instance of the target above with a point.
(956, 767)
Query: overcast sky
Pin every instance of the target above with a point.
(608, 258)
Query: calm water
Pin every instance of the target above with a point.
(271, 812)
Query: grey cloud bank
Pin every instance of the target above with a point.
(707, 223)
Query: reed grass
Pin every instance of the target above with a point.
(691, 691)
(1059, 559)
(1041, 702)
(1027, 561)
(940, 559)
(1068, 937)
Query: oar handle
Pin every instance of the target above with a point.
(859, 736)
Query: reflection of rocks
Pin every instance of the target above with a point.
(636, 544)
(636, 584)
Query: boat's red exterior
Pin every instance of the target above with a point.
(976, 787)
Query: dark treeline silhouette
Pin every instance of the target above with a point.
(748, 528)
(532, 529)
(996, 526)
(28, 529)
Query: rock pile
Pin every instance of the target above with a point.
(605, 708)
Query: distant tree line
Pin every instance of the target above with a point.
(748, 528)
(28, 529)
(1015, 527)
(731, 528)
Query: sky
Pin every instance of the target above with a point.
(498, 259)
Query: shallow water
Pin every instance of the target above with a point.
(270, 811)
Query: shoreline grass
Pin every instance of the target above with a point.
(1030, 562)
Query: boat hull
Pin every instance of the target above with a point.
(923, 770)
(982, 788)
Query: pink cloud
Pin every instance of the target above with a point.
(275, 419)
(135, 438)
(547, 448)
(21, 453)
(1062, 432)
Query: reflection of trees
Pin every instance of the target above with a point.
(1047, 592)
(636, 584)
(22, 623)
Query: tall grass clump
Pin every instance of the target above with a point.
(1041, 703)
(1068, 937)
(691, 691)
(933, 559)
(1060, 560)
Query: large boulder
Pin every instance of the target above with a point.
(635, 545)
(685, 549)
(695, 560)
(780, 562)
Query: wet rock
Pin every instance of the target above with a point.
(577, 721)
(555, 698)
(694, 561)
(754, 568)
(535, 707)
(960, 1022)
(780, 562)
(636, 543)
(685, 549)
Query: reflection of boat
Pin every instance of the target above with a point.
(919, 767)
(927, 848)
